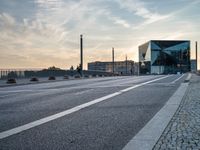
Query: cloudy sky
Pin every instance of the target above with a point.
(43, 33)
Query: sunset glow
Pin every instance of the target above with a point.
(43, 33)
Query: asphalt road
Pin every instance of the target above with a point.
(108, 124)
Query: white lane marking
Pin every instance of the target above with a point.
(108, 83)
(16, 91)
(34, 90)
(82, 92)
(89, 85)
(33, 124)
(3, 96)
(165, 83)
(107, 86)
(177, 79)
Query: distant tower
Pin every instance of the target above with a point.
(196, 55)
(113, 60)
(81, 54)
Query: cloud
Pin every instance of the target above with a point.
(30, 37)
(122, 22)
(6, 20)
(47, 33)
(51, 33)
(139, 8)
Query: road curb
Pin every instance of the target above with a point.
(148, 136)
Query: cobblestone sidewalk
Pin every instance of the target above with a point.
(183, 131)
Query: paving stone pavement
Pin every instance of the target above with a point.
(183, 131)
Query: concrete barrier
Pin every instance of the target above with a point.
(188, 77)
(11, 81)
(34, 79)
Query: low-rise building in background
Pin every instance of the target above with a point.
(120, 67)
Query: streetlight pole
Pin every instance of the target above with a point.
(139, 59)
(196, 55)
(126, 66)
(113, 60)
(81, 55)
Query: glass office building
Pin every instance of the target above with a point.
(164, 57)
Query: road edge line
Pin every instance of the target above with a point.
(148, 136)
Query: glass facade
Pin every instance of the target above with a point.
(164, 57)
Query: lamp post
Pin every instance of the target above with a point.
(126, 65)
(113, 60)
(196, 55)
(81, 55)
